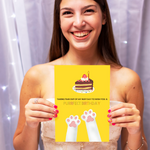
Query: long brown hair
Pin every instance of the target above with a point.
(106, 45)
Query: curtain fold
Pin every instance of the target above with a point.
(23, 36)
(11, 75)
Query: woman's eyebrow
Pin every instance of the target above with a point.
(89, 6)
(67, 8)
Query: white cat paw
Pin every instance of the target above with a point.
(73, 121)
(88, 116)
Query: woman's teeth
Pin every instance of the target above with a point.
(81, 34)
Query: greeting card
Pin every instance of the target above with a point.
(82, 95)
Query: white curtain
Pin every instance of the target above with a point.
(131, 26)
(25, 35)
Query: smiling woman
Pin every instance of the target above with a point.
(82, 35)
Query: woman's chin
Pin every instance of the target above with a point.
(81, 47)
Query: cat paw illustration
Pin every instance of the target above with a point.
(73, 121)
(91, 126)
(88, 116)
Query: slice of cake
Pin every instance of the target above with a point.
(84, 83)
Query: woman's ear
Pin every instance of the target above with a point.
(104, 19)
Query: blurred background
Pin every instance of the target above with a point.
(25, 36)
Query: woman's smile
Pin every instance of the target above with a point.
(80, 35)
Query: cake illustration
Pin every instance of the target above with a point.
(84, 85)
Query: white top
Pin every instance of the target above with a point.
(48, 137)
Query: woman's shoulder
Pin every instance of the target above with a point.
(124, 73)
(129, 80)
(128, 75)
(40, 72)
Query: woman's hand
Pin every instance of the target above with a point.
(125, 115)
(39, 110)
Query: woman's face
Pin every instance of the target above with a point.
(81, 22)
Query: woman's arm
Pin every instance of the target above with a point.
(136, 97)
(129, 115)
(26, 137)
(27, 132)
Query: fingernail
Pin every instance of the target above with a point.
(109, 115)
(56, 111)
(55, 106)
(50, 118)
(110, 120)
(113, 124)
(109, 110)
(55, 116)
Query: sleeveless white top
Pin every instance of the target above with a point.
(48, 137)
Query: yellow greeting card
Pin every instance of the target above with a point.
(82, 95)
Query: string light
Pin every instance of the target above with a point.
(14, 107)
(13, 16)
(14, 39)
(13, 63)
(8, 117)
(115, 21)
(4, 88)
(125, 42)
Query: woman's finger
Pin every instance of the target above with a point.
(44, 108)
(122, 105)
(42, 101)
(128, 125)
(40, 114)
(124, 119)
(123, 112)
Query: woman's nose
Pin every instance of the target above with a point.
(79, 21)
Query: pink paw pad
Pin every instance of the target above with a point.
(73, 121)
(88, 116)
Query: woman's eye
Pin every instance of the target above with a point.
(89, 10)
(67, 13)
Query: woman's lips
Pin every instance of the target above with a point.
(80, 35)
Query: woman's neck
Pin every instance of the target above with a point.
(82, 57)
